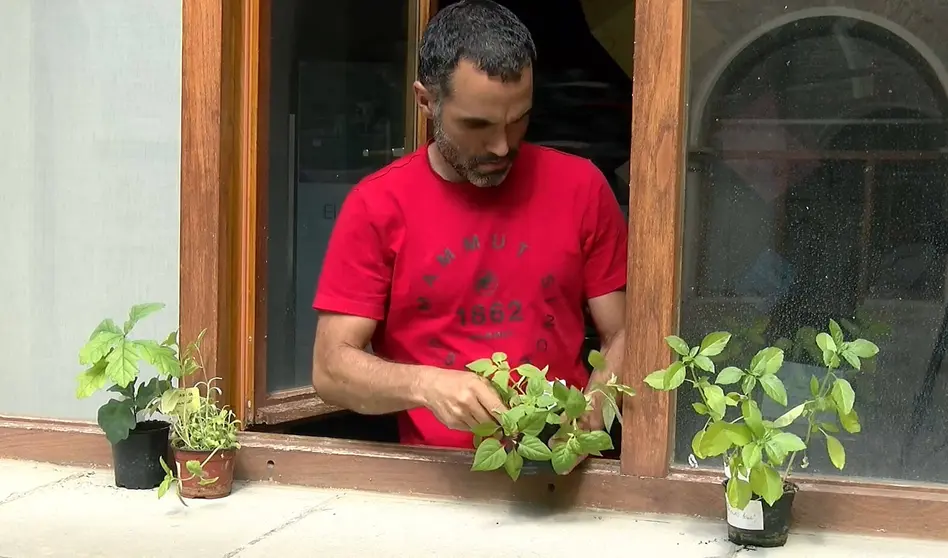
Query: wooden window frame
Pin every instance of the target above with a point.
(222, 157)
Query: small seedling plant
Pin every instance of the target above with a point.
(760, 454)
(535, 406)
(198, 424)
(113, 358)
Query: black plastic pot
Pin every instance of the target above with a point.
(136, 458)
(761, 524)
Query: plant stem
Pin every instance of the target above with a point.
(821, 393)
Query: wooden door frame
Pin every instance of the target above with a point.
(221, 160)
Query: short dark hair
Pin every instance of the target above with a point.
(480, 31)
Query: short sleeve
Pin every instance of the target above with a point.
(357, 270)
(605, 240)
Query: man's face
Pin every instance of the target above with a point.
(479, 126)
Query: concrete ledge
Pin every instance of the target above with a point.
(54, 511)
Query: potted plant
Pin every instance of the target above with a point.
(204, 441)
(113, 359)
(541, 424)
(759, 455)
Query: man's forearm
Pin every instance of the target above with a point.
(364, 383)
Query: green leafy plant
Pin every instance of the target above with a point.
(199, 425)
(113, 359)
(756, 450)
(537, 406)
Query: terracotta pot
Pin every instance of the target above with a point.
(220, 466)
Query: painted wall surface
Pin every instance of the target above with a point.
(90, 104)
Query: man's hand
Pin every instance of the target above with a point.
(461, 400)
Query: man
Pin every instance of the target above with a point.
(475, 243)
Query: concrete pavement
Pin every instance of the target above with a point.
(64, 512)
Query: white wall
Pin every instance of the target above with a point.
(90, 101)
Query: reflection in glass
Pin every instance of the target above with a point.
(816, 190)
(338, 98)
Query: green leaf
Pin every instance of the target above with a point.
(481, 366)
(843, 395)
(825, 342)
(696, 444)
(501, 380)
(751, 455)
(172, 339)
(533, 423)
(564, 459)
(675, 376)
(766, 362)
(700, 408)
(596, 360)
(575, 403)
(499, 357)
(92, 380)
(610, 410)
(510, 418)
(850, 422)
(738, 493)
(704, 363)
(730, 375)
(530, 371)
(99, 346)
(716, 440)
(140, 312)
(485, 429)
(122, 365)
(864, 349)
(774, 388)
(490, 455)
(713, 343)
(532, 448)
(828, 426)
(162, 357)
(836, 452)
(164, 486)
(814, 386)
(513, 465)
(595, 442)
(150, 391)
(766, 482)
(194, 467)
(787, 418)
(749, 383)
(560, 392)
(164, 465)
(656, 380)
(717, 402)
(752, 417)
(106, 325)
(788, 442)
(851, 358)
(739, 434)
(677, 344)
(536, 386)
(116, 418)
(836, 333)
(205, 482)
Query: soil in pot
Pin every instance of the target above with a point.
(760, 524)
(137, 459)
(220, 466)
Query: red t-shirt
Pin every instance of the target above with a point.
(454, 272)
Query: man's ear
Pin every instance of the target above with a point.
(425, 99)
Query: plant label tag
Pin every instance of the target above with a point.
(750, 518)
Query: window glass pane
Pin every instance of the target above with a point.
(338, 97)
(816, 190)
